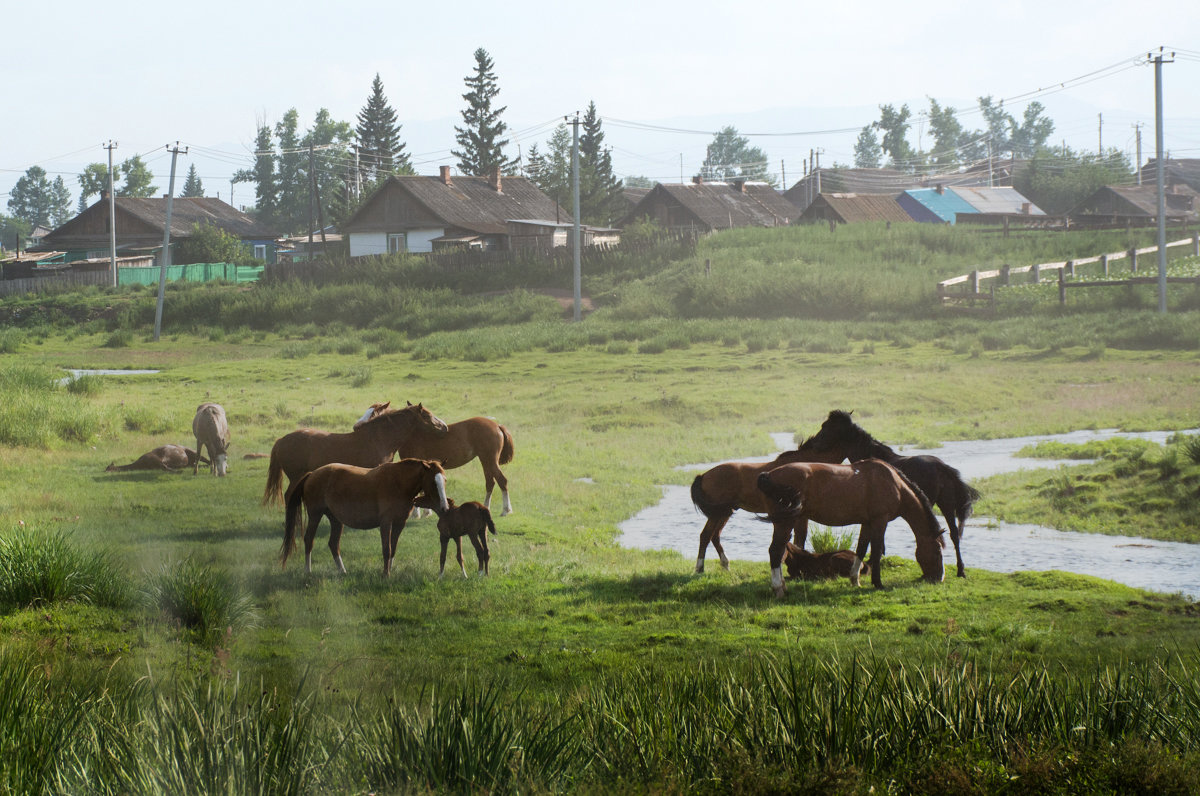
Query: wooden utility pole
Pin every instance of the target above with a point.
(165, 259)
(112, 214)
(1159, 177)
(578, 269)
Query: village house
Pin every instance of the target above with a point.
(850, 208)
(709, 206)
(140, 225)
(1135, 205)
(428, 214)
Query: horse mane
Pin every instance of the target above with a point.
(935, 528)
(385, 416)
(852, 433)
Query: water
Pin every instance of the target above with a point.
(674, 524)
(77, 372)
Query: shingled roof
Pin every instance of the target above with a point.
(466, 203)
(142, 221)
(717, 205)
(849, 208)
(1138, 201)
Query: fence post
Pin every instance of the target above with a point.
(1005, 276)
(1133, 260)
(1196, 244)
(1104, 262)
(974, 283)
(1036, 270)
(1062, 288)
(1069, 268)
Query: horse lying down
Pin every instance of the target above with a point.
(164, 457)
(804, 565)
(472, 519)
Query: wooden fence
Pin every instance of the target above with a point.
(58, 282)
(969, 287)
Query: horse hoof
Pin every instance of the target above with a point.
(779, 593)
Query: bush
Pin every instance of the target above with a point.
(203, 602)
(44, 567)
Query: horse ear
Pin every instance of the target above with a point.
(408, 402)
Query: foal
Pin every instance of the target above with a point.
(472, 519)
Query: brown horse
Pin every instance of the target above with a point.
(724, 489)
(472, 519)
(164, 457)
(465, 440)
(820, 566)
(941, 483)
(380, 497)
(870, 492)
(370, 444)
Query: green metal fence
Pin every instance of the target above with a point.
(196, 272)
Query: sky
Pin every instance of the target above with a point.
(785, 74)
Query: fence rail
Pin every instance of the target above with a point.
(968, 286)
(196, 272)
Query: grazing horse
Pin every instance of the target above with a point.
(870, 492)
(941, 483)
(820, 566)
(212, 431)
(370, 444)
(380, 497)
(463, 441)
(472, 519)
(724, 489)
(164, 457)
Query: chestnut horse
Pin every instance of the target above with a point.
(370, 444)
(820, 566)
(724, 489)
(941, 483)
(472, 519)
(870, 492)
(463, 441)
(164, 457)
(380, 497)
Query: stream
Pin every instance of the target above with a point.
(1170, 567)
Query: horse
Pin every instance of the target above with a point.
(370, 444)
(212, 432)
(379, 497)
(472, 519)
(941, 483)
(870, 492)
(463, 441)
(164, 457)
(724, 489)
(820, 566)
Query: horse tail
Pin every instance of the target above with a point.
(931, 523)
(707, 507)
(291, 520)
(787, 498)
(966, 503)
(506, 450)
(274, 491)
(487, 520)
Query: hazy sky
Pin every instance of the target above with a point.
(205, 74)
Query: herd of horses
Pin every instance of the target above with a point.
(351, 479)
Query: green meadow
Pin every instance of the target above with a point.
(150, 642)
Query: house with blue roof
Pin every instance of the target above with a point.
(934, 205)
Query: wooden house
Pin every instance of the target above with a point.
(850, 208)
(426, 214)
(1135, 205)
(710, 206)
(140, 224)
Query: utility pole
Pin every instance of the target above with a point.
(312, 184)
(1159, 177)
(165, 260)
(1137, 128)
(575, 197)
(112, 214)
(1100, 135)
(783, 174)
(818, 154)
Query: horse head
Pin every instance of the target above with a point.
(433, 482)
(787, 494)
(427, 419)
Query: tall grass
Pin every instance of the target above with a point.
(204, 602)
(38, 568)
(37, 410)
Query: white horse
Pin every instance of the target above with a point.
(212, 430)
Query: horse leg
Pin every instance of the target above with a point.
(955, 528)
(458, 555)
(385, 542)
(877, 554)
(310, 535)
(442, 562)
(800, 532)
(860, 554)
(712, 533)
(779, 539)
(335, 543)
(397, 526)
(492, 476)
(479, 542)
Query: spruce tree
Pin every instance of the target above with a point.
(482, 148)
(380, 151)
(192, 186)
(266, 184)
(292, 181)
(599, 190)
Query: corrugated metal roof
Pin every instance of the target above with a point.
(945, 206)
(721, 205)
(996, 201)
(857, 207)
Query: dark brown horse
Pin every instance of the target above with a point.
(941, 483)
(476, 437)
(370, 444)
(472, 519)
(820, 566)
(724, 489)
(164, 457)
(870, 493)
(379, 497)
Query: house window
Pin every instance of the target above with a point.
(260, 251)
(396, 244)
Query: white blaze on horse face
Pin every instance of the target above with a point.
(222, 464)
(440, 480)
(367, 415)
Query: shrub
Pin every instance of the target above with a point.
(203, 602)
(44, 567)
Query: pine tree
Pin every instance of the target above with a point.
(192, 186)
(599, 190)
(266, 184)
(380, 151)
(482, 149)
(38, 201)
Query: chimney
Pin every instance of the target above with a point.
(1026, 208)
(940, 188)
(739, 185)
(697, 180)
(494, 180)
(104, 195)
(445, 175)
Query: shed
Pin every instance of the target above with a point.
(850, 208)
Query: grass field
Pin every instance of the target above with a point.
(185, 659)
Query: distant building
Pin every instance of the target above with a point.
(141, 224)
(951, 205)
(710, 206)
(850, 208)
(1176, 171)
(1135, 205)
